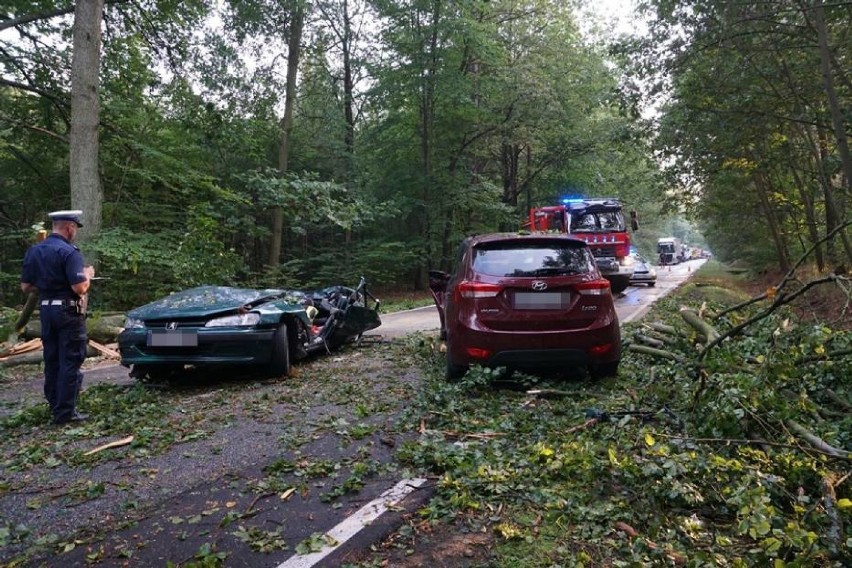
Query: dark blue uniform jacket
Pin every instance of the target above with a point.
(53, 266)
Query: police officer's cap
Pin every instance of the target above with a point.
(69, 215)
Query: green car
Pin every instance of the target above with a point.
(220, 325)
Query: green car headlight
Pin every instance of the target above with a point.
(239, 320)
(133, 323)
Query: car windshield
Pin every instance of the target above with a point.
(666, 247)
(604, 221)
(531, 259)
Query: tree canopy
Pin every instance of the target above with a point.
(414, 123)
(755, 126)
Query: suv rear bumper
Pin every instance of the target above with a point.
(537, 349)
(538, 358)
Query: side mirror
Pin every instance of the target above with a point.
(634, 220)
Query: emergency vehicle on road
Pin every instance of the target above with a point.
(600, 222)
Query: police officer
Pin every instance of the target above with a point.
(55, 268)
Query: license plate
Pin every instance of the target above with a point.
(540, 300)
(172, 339)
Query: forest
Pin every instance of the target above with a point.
(296, 143)
(303, 143)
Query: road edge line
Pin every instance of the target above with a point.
(355, 522)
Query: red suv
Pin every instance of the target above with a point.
(527, 302)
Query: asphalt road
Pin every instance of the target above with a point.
(189, 487)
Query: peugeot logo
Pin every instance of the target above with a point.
(539, 285)
(171, 325)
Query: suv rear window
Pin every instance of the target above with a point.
(531, 259)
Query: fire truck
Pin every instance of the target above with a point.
(600, 222)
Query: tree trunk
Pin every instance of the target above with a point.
(349, 114)
(348, 88)
(511, 173)
(102, 330)
(427, 102)
(836, 118)
(819, 152)
(810, 216)
(761, 184)
(86, 190)
(294, 42)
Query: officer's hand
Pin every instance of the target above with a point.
(89, 271)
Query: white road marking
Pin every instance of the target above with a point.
(351, 525)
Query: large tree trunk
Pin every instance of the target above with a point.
(100, 329)
(349, 115)
(348, 87)
(286, 124)
(86, 190)
(427, 103)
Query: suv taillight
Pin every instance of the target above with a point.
(593, 288)
(467, 289)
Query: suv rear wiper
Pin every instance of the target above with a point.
(559, 270)
(550, 271)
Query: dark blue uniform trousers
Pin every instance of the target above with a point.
(63, 335)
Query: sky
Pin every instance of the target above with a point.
(615, 15)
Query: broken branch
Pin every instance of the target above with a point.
(815, 440)
(708, 331)
(655, 352)
(114, 444)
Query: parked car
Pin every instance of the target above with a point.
(528, 302)
(643, 272)
(219, 325)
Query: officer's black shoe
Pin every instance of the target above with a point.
(76, 417)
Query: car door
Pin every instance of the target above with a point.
(439, 285)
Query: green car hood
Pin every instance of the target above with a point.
(205, 301)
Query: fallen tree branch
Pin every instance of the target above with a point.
(740, 442)
(824, 357)
(546, 393)
(708, 331)
(665, 328)
(648, 340)
(35, 357)
(584, 425)
(474, 435)
(101, 329)
(113, 444)
(815, 440)
(843, 403)
(655, 352)
(811, 408)
(22, 359)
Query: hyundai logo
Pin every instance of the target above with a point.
(171, 325)
(539, 285)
